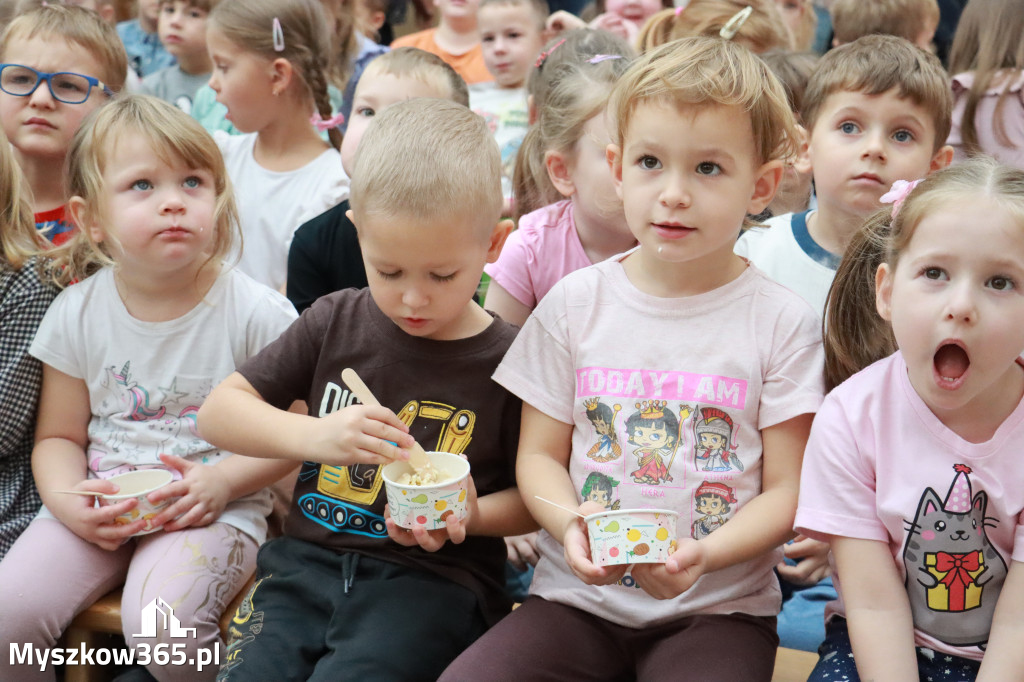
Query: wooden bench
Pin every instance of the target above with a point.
(95, 627)
(792, 665)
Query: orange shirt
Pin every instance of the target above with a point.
(469, 65)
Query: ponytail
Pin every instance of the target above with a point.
(855, 334)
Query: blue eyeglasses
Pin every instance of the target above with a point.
(67, 87)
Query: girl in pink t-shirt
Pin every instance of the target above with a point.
(912, 468)
(562, 156)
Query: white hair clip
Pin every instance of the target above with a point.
(735, 23)
(279, 35)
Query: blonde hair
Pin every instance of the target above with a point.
(429, 159)
(988, 43)
(307, 46)
(855, 335)
(852, 19)
(793, 69)
(205, 5)
(173, 134)
(538, 7)
(423, 66)
(19, 239)
(803, 34)
(876, 64)
(567, 92)
(344, 43)
(763, 30)
(77, 25)
(700, 71)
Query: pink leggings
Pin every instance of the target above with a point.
(50, 575)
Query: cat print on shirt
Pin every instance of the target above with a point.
(954, 574)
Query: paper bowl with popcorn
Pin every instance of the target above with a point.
(418, 498)
(139, 484)
(632, 536)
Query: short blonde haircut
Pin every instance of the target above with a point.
(538, 7)
(876, 64)
(423, 66)
(429, 159)
(77, 25)
(19, 239)
(852, 19)
(710, 71)
(205, 5)
(174, 135)
(763, 30)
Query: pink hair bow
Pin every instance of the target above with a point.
(322, 124)
(898, 193)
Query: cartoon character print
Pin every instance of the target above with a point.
(656, 432)
(954, 574)
(714, 447)
(601, 489)
(712, 500)
(130, 399)
(178, 435)
(607, 447)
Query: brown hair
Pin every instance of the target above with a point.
(343, 41)
(793, 69)
(876, 64)
(307, 46)
(173, 135)
(762, 31)
(988, 42)
(19, 238)
(852, 19)
(77, 25)
(567, 92)
(855, 335)
(427, 158)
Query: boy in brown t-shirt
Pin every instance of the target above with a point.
(345, 591)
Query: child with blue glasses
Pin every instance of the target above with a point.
(57, 64)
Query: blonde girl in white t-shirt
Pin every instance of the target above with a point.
(270, 70)
(686, 338)
(912, 471)
(153, 321)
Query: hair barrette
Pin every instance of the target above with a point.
(735, 23)
(897, 194)
(547, 53)
(598, 58)
(278, 34)
(680, 6)
(322, 124)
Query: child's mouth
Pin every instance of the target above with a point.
(951, 363)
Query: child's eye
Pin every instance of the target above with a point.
(903, 136)
(365, 111)
(934, 273)
(648, 162)
(708, 168)
(515, 34)
(197, 14)
(849, 127)
(193, 182)
(443, 278)
(66, 84)
(1001, 283)
(487, 39)
(142, 185)
(389, 275)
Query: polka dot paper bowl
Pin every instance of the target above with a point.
(632, 536)
(428, 505)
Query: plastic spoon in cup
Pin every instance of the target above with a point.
(563, 508)
(87, 493)
(417, 456)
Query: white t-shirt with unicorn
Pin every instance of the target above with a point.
(667, 397)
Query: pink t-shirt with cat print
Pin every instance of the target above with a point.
(880, 465)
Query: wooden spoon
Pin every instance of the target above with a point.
(87, 493)
(562, 507)
(417, 456)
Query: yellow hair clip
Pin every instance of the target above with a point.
(735, 23)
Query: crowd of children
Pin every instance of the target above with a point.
(783, 238)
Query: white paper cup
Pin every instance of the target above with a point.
(138, 484)
(428, 505)
(632, 536)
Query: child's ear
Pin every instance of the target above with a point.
(558, 171)
(802, 161)
(281, 71)
(498, 236)
(942, 159)
(83, 219)
(614, 155)
(883, 292)
(766, 182)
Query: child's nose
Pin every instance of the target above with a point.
(42, 97)
(961, 307)
(172, 203)
(874, 144)
(413, 298)
(675, 192)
